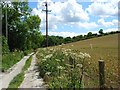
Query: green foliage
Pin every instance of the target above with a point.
(5, 47)
(101, 32)
(61, 68)
(26, 52)
(67, 40)
(8, 60)
(89, 35)
(23, 28)
(77, 38)
(52, 40)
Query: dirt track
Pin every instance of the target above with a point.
(32, 79)
(5, 78)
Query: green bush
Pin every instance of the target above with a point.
(26, 52)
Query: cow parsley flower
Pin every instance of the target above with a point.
(87, 55)
(48, 73)
(60, 67)
(49, 56)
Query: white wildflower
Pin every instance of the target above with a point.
(48, 73)
(84, 55)
(81, 56)
(60, 67)
(49, 56)
(79, 65)
(87, 55)
(81, 53)
(44, 59)
(57, 60)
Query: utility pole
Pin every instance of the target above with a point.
(46, 24)
(46, 5)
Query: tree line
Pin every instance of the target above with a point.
(58, 40)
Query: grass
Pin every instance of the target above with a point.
(106, 48)
(15, 83)
(8, 60)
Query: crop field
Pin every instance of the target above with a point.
(105, 48)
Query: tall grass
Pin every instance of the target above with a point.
(11, 58)
(8, 60)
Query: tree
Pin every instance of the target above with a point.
(5, 47)
(23, 28)
(67, 40)
(101, 32)
(89, 35)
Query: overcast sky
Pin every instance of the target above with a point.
(75, 17)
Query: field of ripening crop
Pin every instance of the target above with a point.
(75, 65)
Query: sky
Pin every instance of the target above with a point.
(70, 18)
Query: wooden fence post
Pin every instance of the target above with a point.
(101, 74)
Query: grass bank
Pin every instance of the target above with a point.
(11, 58)
(8, 60)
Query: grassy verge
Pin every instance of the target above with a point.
(8, 60)
(61, 68)
(11, 58)
(15, 83)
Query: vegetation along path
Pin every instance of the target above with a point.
(5, 78)
(32, 79)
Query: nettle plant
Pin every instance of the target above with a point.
(62, 68)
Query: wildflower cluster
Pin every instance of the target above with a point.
(60, 67)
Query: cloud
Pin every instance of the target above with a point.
(88, 25)
(63, 34)
(103, 9)
(62, 13)
(111, 29)
(69, 13)
(73, 12)
(102, 22)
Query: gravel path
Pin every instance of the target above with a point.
(32, 79)
(5, 78)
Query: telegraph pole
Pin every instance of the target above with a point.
(46, 5)
(46, 24)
